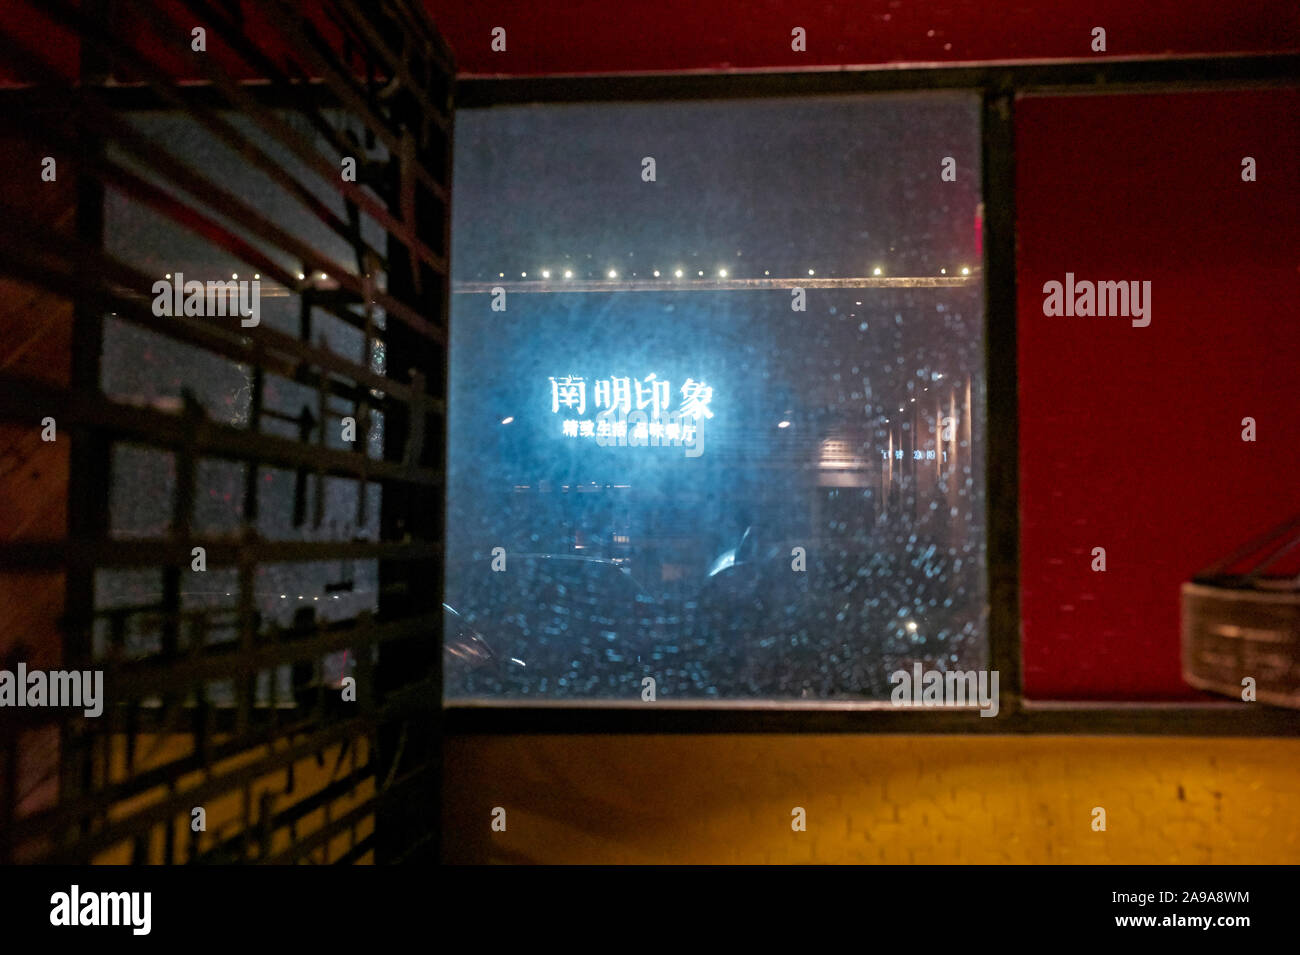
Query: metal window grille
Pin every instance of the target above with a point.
(302, 775)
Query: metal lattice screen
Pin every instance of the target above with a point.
(253, 464)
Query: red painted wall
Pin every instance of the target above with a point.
(1131, 437)
(586, 36)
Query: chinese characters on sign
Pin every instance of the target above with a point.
(917, 455)
(616, 394)
(632, 412)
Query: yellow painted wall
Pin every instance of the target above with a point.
(891, 799)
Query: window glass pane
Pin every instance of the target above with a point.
(716, 399)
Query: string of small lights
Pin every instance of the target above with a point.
(721, 281)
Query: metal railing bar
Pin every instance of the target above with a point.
(101, 800)
(222, 661)
(1266, 542)
(335, 789)
(253, 346)
(417, 22)
(21, 399)
(324, 834)
(96, 114)
(277, 84)
(136, 60)
(125, 293)
(335, 827)
(121, 830)
(357, 852)
(162, 811)
(239, 97)
(369, 36)
(310, 45)
(42, 556)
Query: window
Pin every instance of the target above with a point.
(716, 399)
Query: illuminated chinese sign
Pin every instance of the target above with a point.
(917, 455)
(627, 412)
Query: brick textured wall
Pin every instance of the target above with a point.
(891, 799)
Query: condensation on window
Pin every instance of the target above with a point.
(716, 399)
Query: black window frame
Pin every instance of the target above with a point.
(999, 86)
